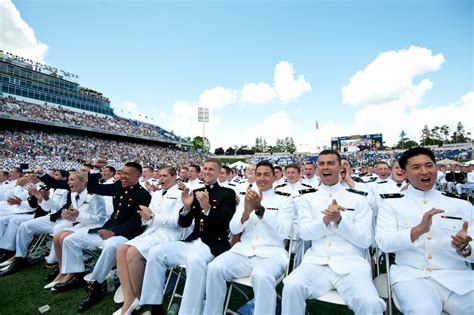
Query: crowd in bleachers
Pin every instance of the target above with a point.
(66, 151)
(52, 114)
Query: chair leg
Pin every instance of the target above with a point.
(227, 300)
(175, 288)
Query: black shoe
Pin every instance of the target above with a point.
(157, 310)
(6, 254)
(19, 264)
(53, 274)
(94, 293)
(75, 282)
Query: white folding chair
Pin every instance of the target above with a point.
(245, 281)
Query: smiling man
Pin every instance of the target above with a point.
(337, 221)
(430, 235)
(264, 218)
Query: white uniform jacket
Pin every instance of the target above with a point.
(91, 209)
(264, 237)
(343, 246)
(57, 198)
(164, 224)
(431, 255)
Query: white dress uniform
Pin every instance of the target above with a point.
(91, 209)
(313, 182)
(260, 254)
(336, 258)
(57, 199)
(163, 227)
(295, 190)
(109, 205)
(9, 223)
(92, 214)
(194, 184)
(429, 276)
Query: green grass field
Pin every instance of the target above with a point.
(23, 293)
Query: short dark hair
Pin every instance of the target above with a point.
(293, 165)
(350, 164)
(134, 165)
(277, 167)
(196, 167)
(5, 173)
(170, 169)
(63, 173)
(266, 163)
(382, 162)
(329, 152)
(227, 169)
(148, 167)
(111, 169)
(414, 152)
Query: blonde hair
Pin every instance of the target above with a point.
(81, 176)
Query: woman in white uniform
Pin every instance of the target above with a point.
(86, 211)
(162, 221)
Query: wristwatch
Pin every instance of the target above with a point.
(260, 211)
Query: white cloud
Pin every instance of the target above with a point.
(257, 93)
(390, 76)
(217, 97)
(286, 86)
(130, 110)
(16, 36)
(277, 125)
(184, 122)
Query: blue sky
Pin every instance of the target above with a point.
(264, 68)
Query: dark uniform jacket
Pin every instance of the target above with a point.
(125, 220)
(212, 228)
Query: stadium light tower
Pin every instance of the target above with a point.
(203, 116)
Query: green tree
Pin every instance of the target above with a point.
(403, 139)
(290, 145)
(219, 151)
(410, 143)
(202, 144)
(425, 136)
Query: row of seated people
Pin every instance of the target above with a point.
(64, 114)
(428, 232)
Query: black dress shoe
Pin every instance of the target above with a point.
(75, 282)
(157, 310)
(19, 264)
(6, 254)
(53, 274)
(94, 293)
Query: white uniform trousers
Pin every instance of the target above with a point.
(8, 240)
(195, 255)
(310, 281)
(40, 225)
(263, 274)
(426, 296)
(73, 258)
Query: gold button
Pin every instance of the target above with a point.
(328, 257)
(256, 237)
(253, 247)
(121, 197)
(255, 222)
(126, 191)
(429, 238)
(429, 257)
(120, 204)
(428, 269)
(329, 244)
(202, 220)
